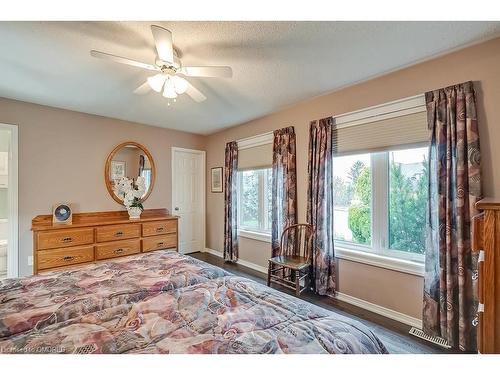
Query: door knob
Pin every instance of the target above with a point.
(176, 208)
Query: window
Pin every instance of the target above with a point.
(408, 178)
(254, 201)
(380, 185)
(146, 173)
(380, 202)
(352, 187)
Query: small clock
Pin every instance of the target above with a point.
(62, 213)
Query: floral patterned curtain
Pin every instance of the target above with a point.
(230, 196)
(450, 302)
(320, 204)
(284, 191)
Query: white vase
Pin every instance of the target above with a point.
(134, 212)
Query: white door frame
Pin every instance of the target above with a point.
(13, 165)
(203, 188)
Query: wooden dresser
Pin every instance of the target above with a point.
(97, 236)
(486, 241)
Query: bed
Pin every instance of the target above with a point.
(164, 302)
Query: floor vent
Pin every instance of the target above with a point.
(86, 349)
(424, 336)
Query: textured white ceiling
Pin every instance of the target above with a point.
(275, 64)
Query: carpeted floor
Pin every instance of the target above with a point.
(393, 334)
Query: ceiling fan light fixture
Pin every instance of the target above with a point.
(167, 66)
(156, 82)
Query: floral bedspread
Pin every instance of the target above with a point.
(163, 302)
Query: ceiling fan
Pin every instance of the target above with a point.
(169, 78)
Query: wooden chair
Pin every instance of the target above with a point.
(294, 262)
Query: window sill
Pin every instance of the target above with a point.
(395, 264)
(264, 237)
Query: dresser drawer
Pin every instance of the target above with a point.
(117, 249)
(64, 257)
(159, 242)
(64, 238)
(118, 232)
(159, 227)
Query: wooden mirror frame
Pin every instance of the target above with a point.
(107, 170)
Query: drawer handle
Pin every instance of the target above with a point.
(118, 234)
(67, 239)
(475, 321)
(481, 256)
(480, 307)
(118, 251)
(160, 229)
(159, 244)
(68, 258)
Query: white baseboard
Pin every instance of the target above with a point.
(214, 252)
(384, 311)
(253, 266)
(377, 309)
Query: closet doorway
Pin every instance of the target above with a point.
(8, 201)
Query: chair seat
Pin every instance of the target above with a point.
(291, 261)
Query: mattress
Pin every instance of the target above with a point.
(164, 302)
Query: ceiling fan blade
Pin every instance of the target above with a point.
(194, 93)
(143, 89)
(163, 42)
(207, 71)
(122, 60)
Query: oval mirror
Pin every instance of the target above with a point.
(131, 160)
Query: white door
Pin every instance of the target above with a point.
(8, 201)
(188, 198)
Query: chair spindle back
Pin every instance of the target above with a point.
(296, 240)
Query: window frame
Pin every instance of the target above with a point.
(379, 254)
(261, 233)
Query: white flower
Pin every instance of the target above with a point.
(128, 191)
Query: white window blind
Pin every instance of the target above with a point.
(390, 126)
(255, 152)
(255, 157)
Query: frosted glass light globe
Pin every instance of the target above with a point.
(156, 82)
(180, 84)
(169, 92)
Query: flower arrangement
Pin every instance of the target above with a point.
(130, 192)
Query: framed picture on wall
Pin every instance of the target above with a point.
(217, 180)
(118, 169)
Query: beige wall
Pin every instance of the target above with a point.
(131, 158)
(394, 290)
(62, 155)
